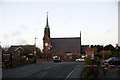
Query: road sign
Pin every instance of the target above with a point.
(90, 53)
(92, 56)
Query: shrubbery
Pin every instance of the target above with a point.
(91, 69)
(89, 61)
(90, 72)
(23, 61)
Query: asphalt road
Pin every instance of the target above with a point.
(63, 70)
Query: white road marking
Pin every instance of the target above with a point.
(70, 73)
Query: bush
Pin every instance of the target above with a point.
(23, 61)
(88, 60)
(91, 69)
(90, 72)
(29, 61)
(96, 61)
(92, 77)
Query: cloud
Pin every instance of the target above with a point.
(5, 36)
(21, 41)
(12, 34)
(16, 33)
(23, 27)
(109, 31)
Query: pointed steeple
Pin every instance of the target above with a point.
(47, 24)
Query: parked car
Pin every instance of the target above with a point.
(80, 59)
(112, 61)
(31, 56)
(57, 59)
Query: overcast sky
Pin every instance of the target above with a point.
(21, 22)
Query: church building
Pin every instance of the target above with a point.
(65, 44)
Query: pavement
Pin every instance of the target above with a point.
(110, 72)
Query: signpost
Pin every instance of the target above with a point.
(92, 56)
(90, 53)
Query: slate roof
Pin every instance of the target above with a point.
(71, 44)
(15, 47)
(12, 49)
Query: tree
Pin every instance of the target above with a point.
(25, 52)
(109, 48)
(98, 47)
(106, 54)
(91, 46)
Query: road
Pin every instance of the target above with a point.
(63, 70)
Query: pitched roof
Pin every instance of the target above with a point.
(13, 48)
(70, 44)
(30, 47)
(16, 47)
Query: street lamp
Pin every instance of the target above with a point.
(35, 46)
(35, 50)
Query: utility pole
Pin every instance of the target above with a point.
(80, 45)
(35, 46)
(117, 52)
(35, 50)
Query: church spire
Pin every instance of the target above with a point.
(47, 24)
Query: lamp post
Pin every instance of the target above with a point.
(117, 50)
(35, 46)
(35, 50)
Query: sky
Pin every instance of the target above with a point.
(22, 21)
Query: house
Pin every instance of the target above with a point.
(12, 56)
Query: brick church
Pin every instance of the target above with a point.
(66, 44)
